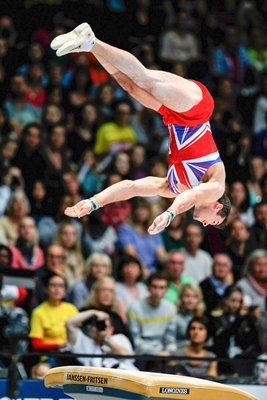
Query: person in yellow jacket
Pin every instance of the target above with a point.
(48, 320)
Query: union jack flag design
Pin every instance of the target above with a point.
(192, 151)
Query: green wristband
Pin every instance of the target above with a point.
(172, 215)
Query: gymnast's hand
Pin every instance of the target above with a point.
(82, 38)
(159, 224)
(79, 210)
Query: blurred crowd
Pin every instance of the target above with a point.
(67, 131)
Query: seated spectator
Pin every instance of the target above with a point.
(138, 162)
(72, 186)
(48, 320)
(197, 334)
(239, 196)
(116, 213)
(8, 148)
(130, 286)
(93, 332)
(103, 297)
(96, 267)
(29, 158)
(17, 208)
(190, 304)
(151, 320)
(258, 173)
(39, 202)
(174, 270)
(39, 370)
(97, 236)
(117, 135)
(74, 262)
(54, 263)
(19, 111)
(173, 235)
(239, 245)
(194, 255)
(213, 287)
(259, 229)
(260, 124)
(133, 238)
(179, 43)
(253, 284)
(35, 93)
(9, 294)
(83, 136)
(53, 114)
(231, 58)
(88, 174)
(57, 163)
(26, 253)
(234, 333)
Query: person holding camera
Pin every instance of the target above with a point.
(92, 332)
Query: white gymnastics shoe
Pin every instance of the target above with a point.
(82, 38)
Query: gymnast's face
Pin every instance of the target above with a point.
(208, 214)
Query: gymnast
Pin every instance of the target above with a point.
(196, 174)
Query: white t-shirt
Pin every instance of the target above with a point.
(86, 345)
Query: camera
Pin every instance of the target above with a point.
(100, 324)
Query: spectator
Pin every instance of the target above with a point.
(89, 173)
(179, 42)
(20, 113)
(83, 136)
(130, 286)
(96, 267)
(103, 297)
(259, 120)
(234, 332)
(198, 262)
(173, 235)
(134, 239)
(11, 295)
(239, 196)
(74, 262)
(239, 245)
(197, 334)
(48, 330)
(253, 284)
(118, 135)
(259, 229)
(93, 332)
(52, 114)
(39, 370)
(97, 235)
(8, 148)
(151, 320)
(258, 173)
(190, 304)
(54, 264)
(231, 58)
(214, 287)
(26, 253)
(28, 157)
(17, 208)
(174, 268)
(57, 163)
(35, 92)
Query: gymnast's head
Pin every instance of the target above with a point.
(215, 213)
